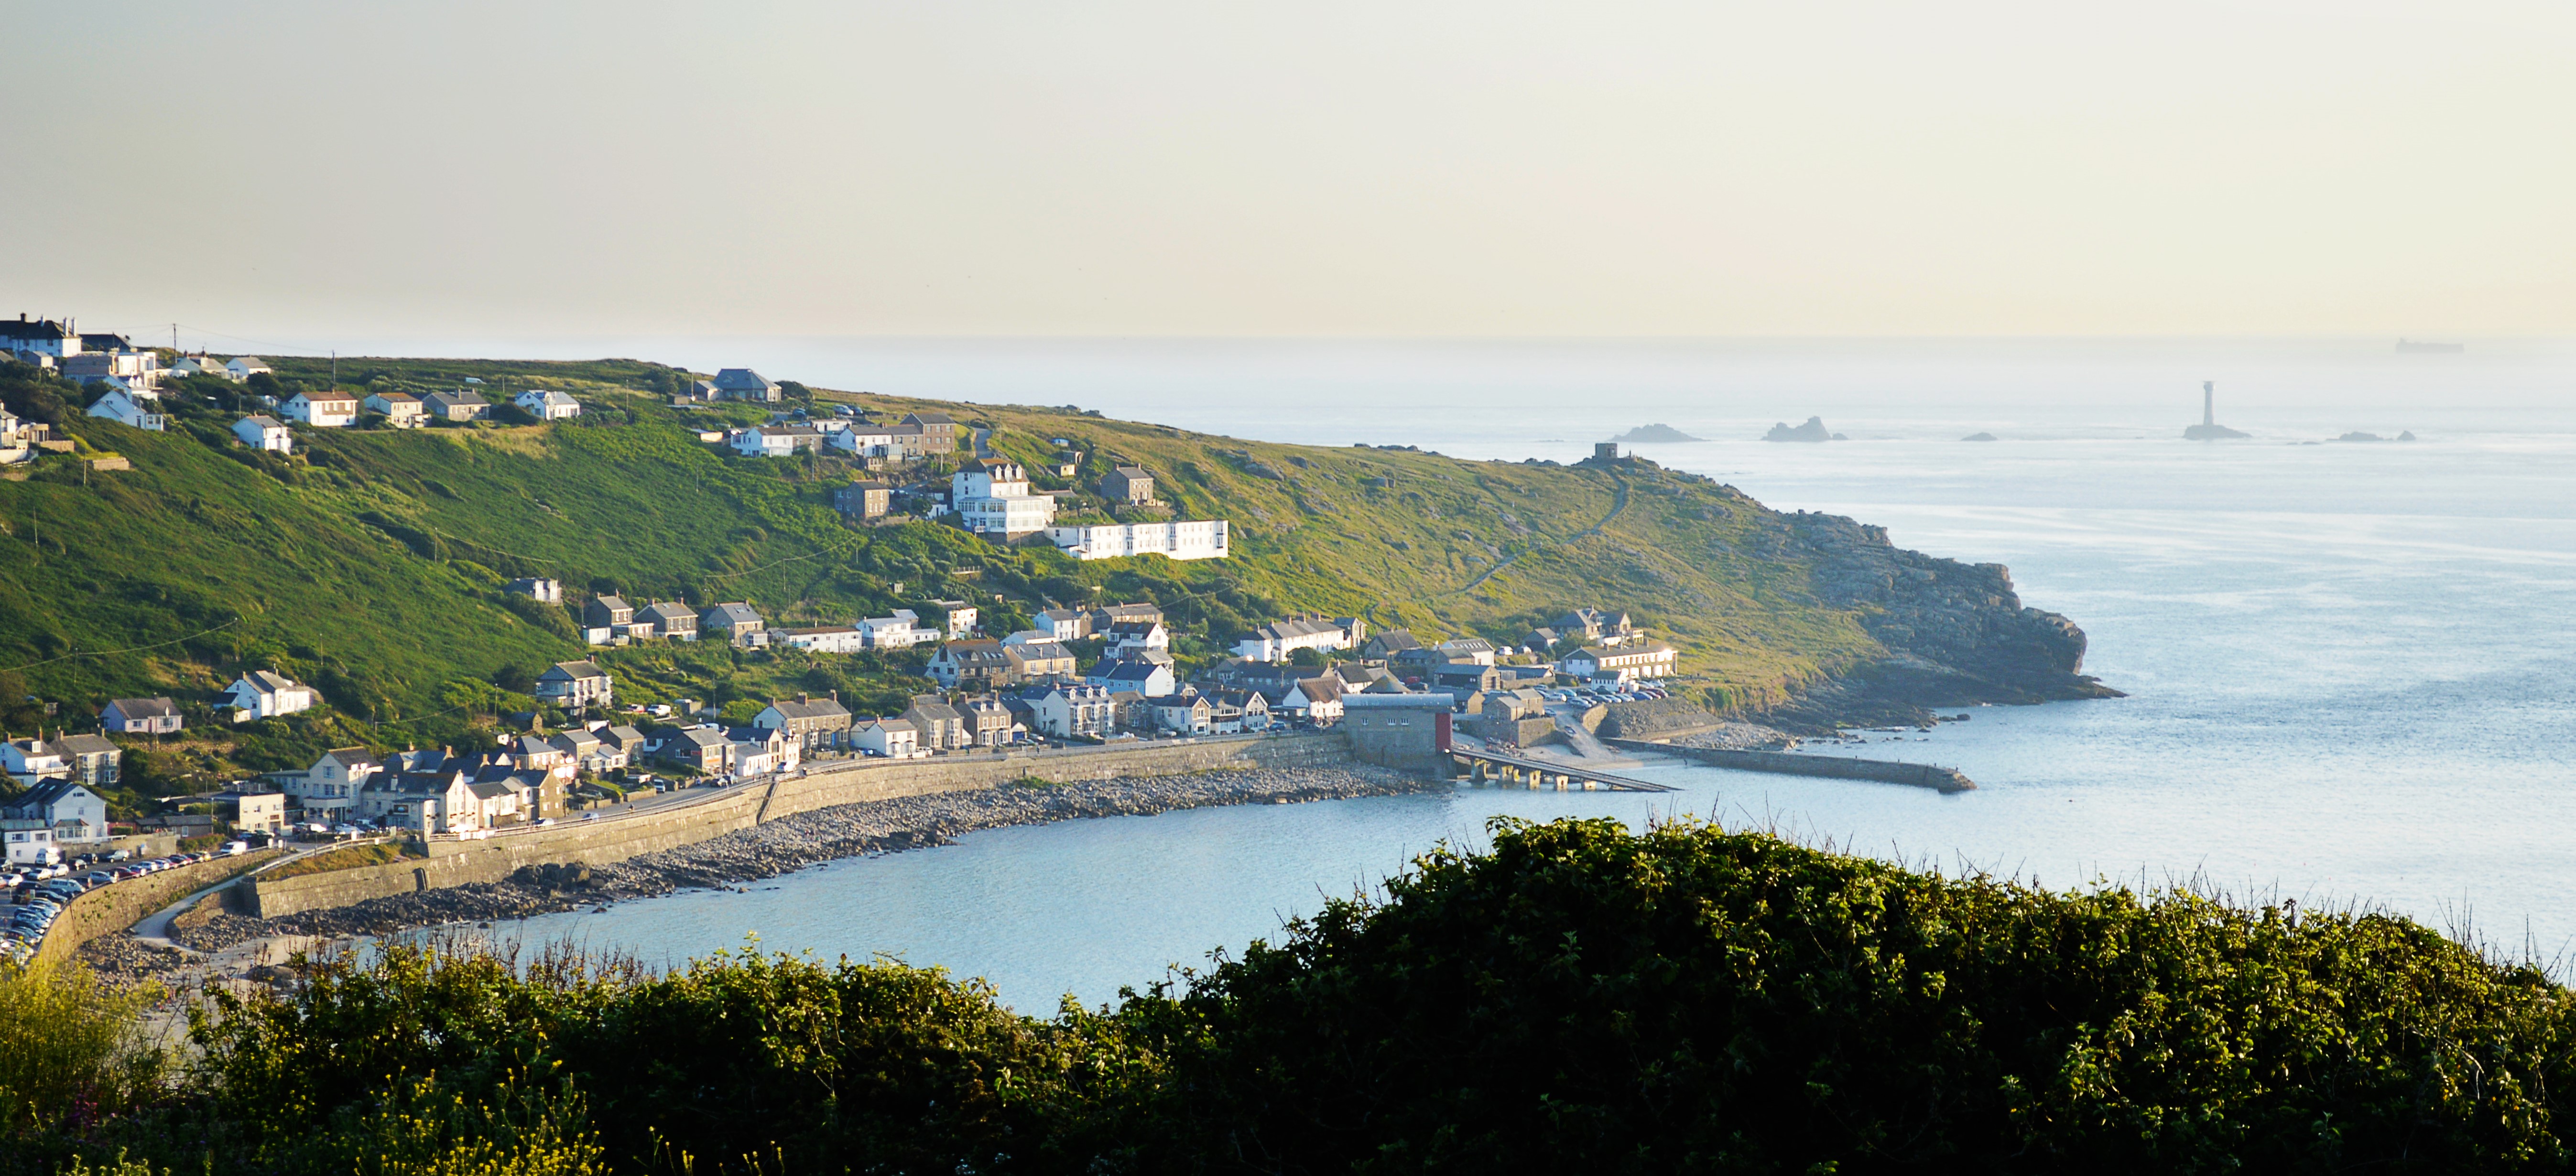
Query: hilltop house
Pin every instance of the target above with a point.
(67, 808)
(992, 497)
(243, 367)
(732, 621)
(777, 440)
(455, 407)
(140, 716)
(541, 590)
(547, 404)
(676, 621)
(38, 337)
(746, 384)
(1278, 640)
(963, 665)
(120, 406)
(938, 431)
(814, 724)
(1195, 539)
(82, 759)
(575, 685)
(902, 630)
(262, 432)
(402, 410)
(823, 638)
(1128, 484)
(332, 409)
(264, 694)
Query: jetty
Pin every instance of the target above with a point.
(1793, 764)
(1502, 769)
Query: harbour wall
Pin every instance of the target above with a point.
(617, 838)
(117, 906)
(1786, 763)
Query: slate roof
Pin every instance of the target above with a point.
(572, 671)
(145, 708)
(729, 615)
(820, 708)
(268, 681)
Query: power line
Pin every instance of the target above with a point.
(113, 652)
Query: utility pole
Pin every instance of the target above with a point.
(335, 368)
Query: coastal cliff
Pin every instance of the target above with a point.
(1956, 634)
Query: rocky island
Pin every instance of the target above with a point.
(1654, 435)
(1813, 431)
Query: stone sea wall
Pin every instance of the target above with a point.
(828, 785)
(110, 909)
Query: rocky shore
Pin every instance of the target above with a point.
(779, 847)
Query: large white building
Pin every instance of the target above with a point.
(992, 498)
(1653, 659)
(1278, 640)
(1204, 539)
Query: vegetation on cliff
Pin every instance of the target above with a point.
(1577, 999)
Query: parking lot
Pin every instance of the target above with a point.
(38, 895)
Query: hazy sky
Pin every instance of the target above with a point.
(294, 170)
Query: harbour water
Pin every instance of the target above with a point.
(2347, 664)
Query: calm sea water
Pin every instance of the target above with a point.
(2348, 664)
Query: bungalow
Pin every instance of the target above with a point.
(745, 384)
(970, 665)
(120, 406)
(1468, 649)
(243, 367)
(676, 621)
(939, 725)
(732, 621)
(1143, 677)
(262, 432)
(1653, 659)
(1039, 660)
(455, 407)
(1278, 640)
(197, 365)
(264, 694)
(546, 404)
(402, 410)
(323, 410)
(332, 784)
(69, 808)
(823, 638)
(575, 685)
(777, 440)
(812, 724)
(891, 738)
(141, 716)
(1071, 712)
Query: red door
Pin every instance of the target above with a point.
(1441, 731)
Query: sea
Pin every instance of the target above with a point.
(2349, 664)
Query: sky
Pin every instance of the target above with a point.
(272, 169)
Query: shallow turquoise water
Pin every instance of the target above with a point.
(2347, 667)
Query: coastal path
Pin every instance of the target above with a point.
(1618, 505)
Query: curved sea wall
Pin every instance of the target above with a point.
(615, 839)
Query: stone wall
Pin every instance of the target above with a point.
(1839, 767)
(113, 908)
(612, 839)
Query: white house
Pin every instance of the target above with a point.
(402, 410)
(1144, 677)
(262, 694)
(893, 738)
(1316, 700)
(903, 630)
(1070, 712)
(1653, 659)
(574, 685)
(1278, 640)
(243, 367)
(198, 365)
(332, 784)
(119, 405)
(69, 808)
(825, 639)
(322, 410)
(546, 404)
(263, 432)
(1204, 539)
(992, 498)
(31, 843)
(39, 337)
(776, 440)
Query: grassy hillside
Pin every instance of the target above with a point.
(370, 562)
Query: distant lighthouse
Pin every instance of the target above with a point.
(2209, 429)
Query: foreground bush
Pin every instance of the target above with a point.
(1578, 999)
(71, 1049)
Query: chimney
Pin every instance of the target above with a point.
(804, 698)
